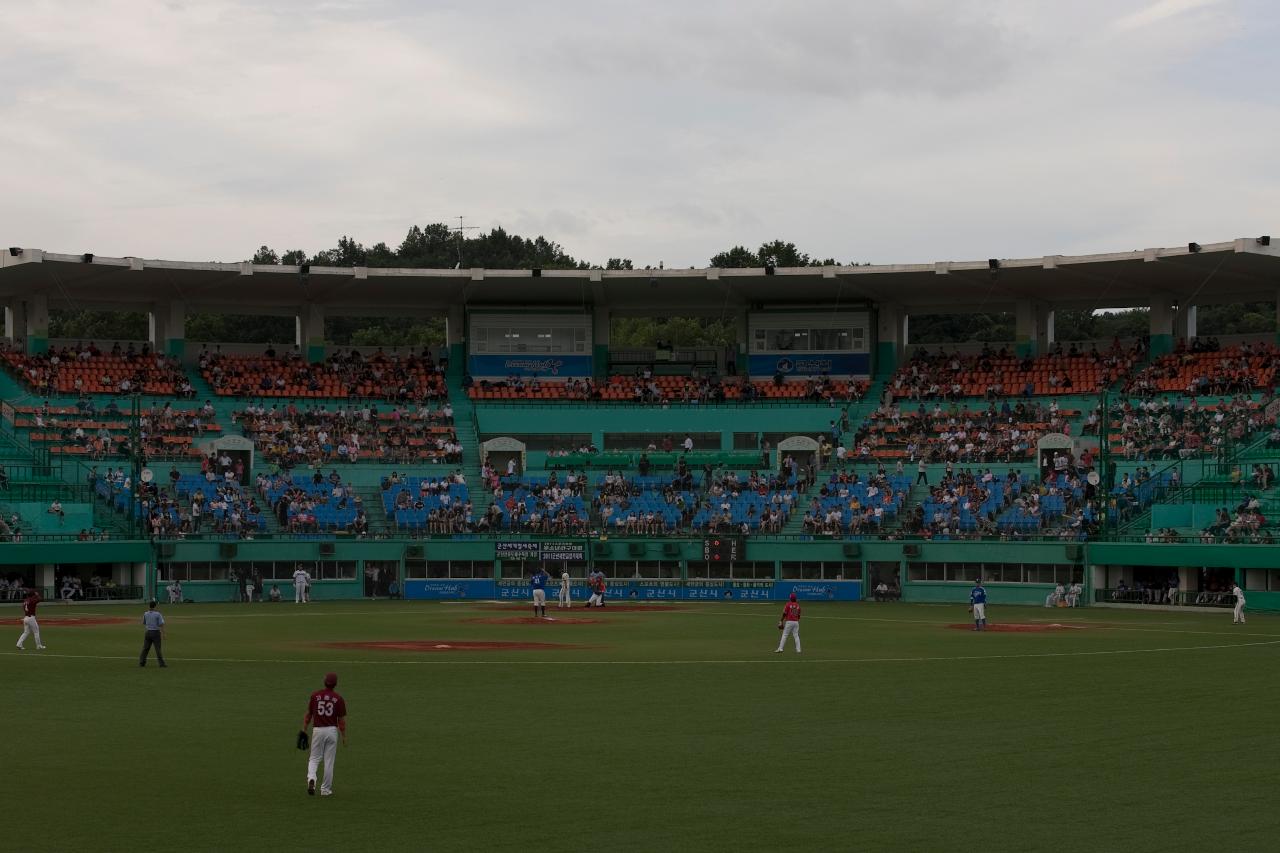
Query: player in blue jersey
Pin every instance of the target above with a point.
(978, 605)
(538, 583)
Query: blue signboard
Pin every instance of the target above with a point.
(530, 366)
(811, 364)
(518, 589)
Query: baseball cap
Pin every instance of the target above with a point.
(331, 679)
(793, 596)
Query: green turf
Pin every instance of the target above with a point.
(675, 731)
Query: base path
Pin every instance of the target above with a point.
(85, 621)
(1020, 627)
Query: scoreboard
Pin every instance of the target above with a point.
(721, 549)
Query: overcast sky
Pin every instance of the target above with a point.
(869, 131)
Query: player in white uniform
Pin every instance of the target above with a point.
(1052, 599)
(299, 585)
(1073, 595)
(1238, 613)
(564, 591)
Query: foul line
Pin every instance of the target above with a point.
(711, 662)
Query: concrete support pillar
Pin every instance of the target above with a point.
(15, 320)
(1161, 326)
(600, 320)
(1044, 327)
(166, 325)
(1185, 323)
(37, 324)
(1026, 329)
(742, 342)
(310, 333)
(455, 336)
(891, 338)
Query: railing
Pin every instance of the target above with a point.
(766, 403)
(1176, 598)
(88, 593)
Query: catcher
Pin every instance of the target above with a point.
(789, 624)
(328, 712)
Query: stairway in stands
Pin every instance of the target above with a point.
(466, 426)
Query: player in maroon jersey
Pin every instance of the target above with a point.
(29, 624)
(789, 624)
(327, 712)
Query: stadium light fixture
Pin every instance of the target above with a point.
(14, 251)
(1264, 240)
(87, 258)
(1193, 248)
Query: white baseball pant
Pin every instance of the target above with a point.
(30, 627)
(790, 628)
(564, 597)
(594, 600)
(1238, 614)
(539, 598)
(324, 746)
(298, 593)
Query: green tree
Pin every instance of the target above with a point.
(265, 255)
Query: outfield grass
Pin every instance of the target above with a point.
(676, 730)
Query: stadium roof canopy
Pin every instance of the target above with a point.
(1233, 271)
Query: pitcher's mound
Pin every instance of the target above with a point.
(451, 646)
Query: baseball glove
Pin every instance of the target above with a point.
(304, 742)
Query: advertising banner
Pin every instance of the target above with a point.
(529, 366)
(811, 364)
(517, 589)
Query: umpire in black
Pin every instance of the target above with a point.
(154, 623)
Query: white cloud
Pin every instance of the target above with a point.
(658, 131)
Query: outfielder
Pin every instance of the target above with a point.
(1237, 614)
(299, 584)
(564, 591)
(539, 585)
(29, 624)
(328, 711)
(978, 605)
(789, 624)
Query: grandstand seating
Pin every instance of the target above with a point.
(1240, 369)
(378, 376)
(86, 370)
(671, 389)
(998, 374)
(167, 432)
(289, 436)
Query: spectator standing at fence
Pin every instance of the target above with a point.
(1238, 612)
(153, 625)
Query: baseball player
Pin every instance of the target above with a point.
(31, 626)
(978, 605)
(299, 584)
(1237, 614)
(596, 582)
(789, 624)
(538, 583)
(327, 714)
(1073, 595)
(564, 591)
